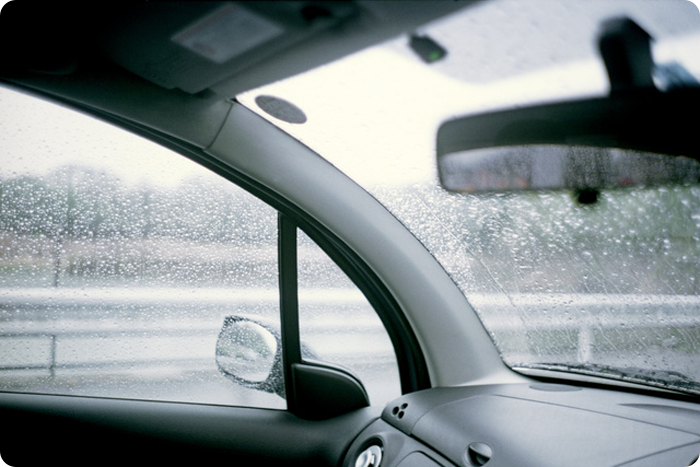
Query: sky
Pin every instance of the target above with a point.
(381, 129)
(38, 137)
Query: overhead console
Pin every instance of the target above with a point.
(530, 425)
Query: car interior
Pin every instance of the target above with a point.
(171, 73)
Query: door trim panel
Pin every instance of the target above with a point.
(82, 430)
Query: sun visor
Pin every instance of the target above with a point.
(192, 45)
(233, 47)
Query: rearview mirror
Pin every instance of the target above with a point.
(637, 135)
(547, 167)
(638, 138)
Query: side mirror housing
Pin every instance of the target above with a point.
(249, 353)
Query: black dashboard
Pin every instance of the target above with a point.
(530, 425)
(514, 425)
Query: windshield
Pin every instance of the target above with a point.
(605, 289)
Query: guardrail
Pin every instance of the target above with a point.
(62, 329)
(73, 329)
(588, 315)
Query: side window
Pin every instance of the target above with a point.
(339, 325)
(120, 261)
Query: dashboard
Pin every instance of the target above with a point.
(530, 425)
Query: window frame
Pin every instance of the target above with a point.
(412, 365)
(413, 370)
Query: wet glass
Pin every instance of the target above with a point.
(611, 284)
(119, 262)
(246, 350)
(339, 326)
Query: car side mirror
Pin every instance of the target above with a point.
(249, 353)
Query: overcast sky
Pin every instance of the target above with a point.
(38, 137)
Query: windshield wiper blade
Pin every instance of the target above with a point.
(665, 379)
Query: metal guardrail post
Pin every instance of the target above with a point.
(585, 344)
(52, 363)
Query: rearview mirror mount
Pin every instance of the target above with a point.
(623, 139)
